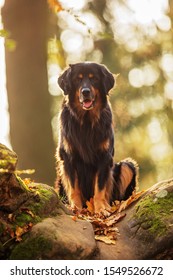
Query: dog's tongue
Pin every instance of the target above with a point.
(87, 103)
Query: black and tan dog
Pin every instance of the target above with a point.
(85, 151)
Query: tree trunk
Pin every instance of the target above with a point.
(27, 86)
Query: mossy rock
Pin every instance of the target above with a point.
(13, 192)
(8, 158)
(33, 248)
(150, 222)
(58, 237)
(23, 204)
(154, 212)
(146, 231)
(42, 201)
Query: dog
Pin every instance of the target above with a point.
(85, 166)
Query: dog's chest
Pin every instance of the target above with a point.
(85, 140)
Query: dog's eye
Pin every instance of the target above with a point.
(93, 79)
(79, 77)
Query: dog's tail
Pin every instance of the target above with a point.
(125, 174)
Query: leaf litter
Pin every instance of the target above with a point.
(105, 228)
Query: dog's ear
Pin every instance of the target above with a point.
(108, 79)
(64, 81)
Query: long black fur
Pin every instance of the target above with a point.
(83, 132)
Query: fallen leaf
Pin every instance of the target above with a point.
(104, 239)
(9, 231)
(19, 231)
(98, 222)
(30, 225)
(74, 218)
(115, 206)
(27, 181)
(115, 229)
(123, 206)
(131, 199)
(98, 231)
(11, 217)
(26, 210)
(111, 234)
(12, 234)
(90, 206)
(104, 227)
(110, 221)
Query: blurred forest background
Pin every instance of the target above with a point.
(132, 38)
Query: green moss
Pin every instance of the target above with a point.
(42, 198)
(153, 213)
(22, 183)
(45, 193)
(34, 209)
(23, 219)
(7, 163)
(31, 249)
(8, 159)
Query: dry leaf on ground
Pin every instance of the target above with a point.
(105, 227)
(104, 239)
(21, 230)
(131, 199)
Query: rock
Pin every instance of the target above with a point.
(49, 229)
(12, 192)
(150, 222)
(57, 238)
(146, 232)
(34, 224)
(8, 158)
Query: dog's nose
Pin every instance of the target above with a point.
(85, 91)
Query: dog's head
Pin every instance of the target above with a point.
(86, 83)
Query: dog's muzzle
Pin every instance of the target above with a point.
(86, 98)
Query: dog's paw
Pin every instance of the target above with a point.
(77, 206)
(102, 208)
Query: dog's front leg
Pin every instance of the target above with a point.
(67, 175)
(73, 191)
(102, 193)
(75, 197)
